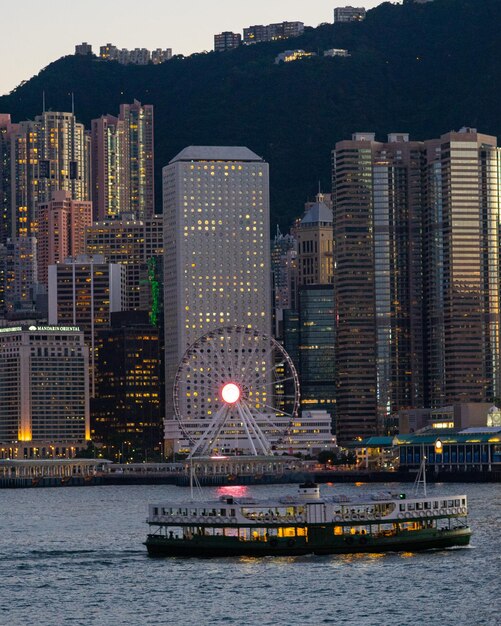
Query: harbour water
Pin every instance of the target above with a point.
(75, 556)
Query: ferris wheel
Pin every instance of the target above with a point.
(235, 389)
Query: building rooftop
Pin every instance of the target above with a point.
(216, 153)
(318, 212)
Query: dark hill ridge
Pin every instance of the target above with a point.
(423, 69)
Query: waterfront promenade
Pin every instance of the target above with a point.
(209, 472)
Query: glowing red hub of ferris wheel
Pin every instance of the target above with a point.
(230, 393)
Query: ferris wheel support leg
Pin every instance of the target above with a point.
(258, 433)
(243, 417)
(205, 435)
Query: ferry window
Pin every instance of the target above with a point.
(456, 502)
(411, 507)
(402, 507)
(155, 511)
(427, 505)
(444, 503)
(464, 501)
(450, 503)
(419, 506)
(436, 504)
(223, 512)
(232, 512)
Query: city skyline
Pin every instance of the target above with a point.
(187, 30)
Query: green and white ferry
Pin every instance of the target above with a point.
(307, 523)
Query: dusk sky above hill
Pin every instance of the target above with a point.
(34, 35)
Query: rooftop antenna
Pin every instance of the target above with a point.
(43, 101)
(73, 103)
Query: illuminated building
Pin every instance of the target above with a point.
(416, 281)
(48, 154)
(378, 291)
(227, 41)
(314, 235)
(84, 292)
(462, 268)
(216, 241)
(273, 32)
(123, 163)
(44, 392)
(137, 56)
(18, 275)
(60, 230)
(348, 14)
(309, 338)
(6, 128)
(127, 410)
(132, 243)
(293, 55)
(336, 52)
(284, 268)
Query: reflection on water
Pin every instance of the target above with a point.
(237, 491)
(75, 556)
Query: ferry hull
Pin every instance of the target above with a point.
(166, 547)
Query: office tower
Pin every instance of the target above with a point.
(314, 235)
(349, 14)
(84, 292)
(48, 154)
(132, 243)
(378, 214)
(123, 164)
(127, 411)
(60, 230)
(227, 41)
(44, 393)
(462, 269)
(316, 344)
(216, 242)
(18, 276)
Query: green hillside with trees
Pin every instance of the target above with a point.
(418, 68)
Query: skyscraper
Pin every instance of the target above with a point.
(314, 237)
(84, 292)
(123, 163)
(133, 243)
(18, 273)
(44, 392)
(60, 230)
(216, 242)
(417, 290)
(127, 406)
(6, 128)
(462, 268)
(48, 154)
(378, 213)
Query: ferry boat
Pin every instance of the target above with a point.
(307, 523)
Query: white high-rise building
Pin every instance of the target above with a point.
(44, 391)
(216, 243)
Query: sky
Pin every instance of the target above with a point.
(33, 34)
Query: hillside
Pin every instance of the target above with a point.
(423, 69)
